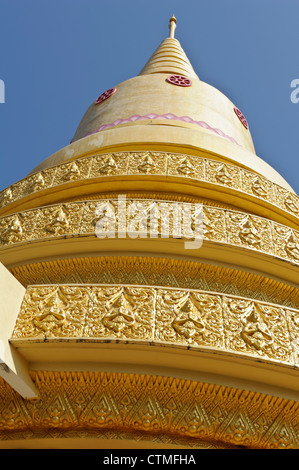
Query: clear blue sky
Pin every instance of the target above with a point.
(57, 56)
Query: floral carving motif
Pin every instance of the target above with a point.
(185, 167)
(58, 223)
(292, 203)
(108, 167)
(37, 182)
(6, 196)
(158, 314)
(72, 172)
(147, 164)
(292, 246)
(153, 408)
(105, 218)
(13, 232)
(256, 327)
(120, 312)
(125, 163)
(52, 313)
(255, 332)
(249, 234)
(187, 321)
(259, 188)
(161, 163)
(141, 217)
(223, 175)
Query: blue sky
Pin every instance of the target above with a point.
(57, 56)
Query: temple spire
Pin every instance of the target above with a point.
(172, 26)
(169, 57)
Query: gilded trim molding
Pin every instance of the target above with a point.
(102, 439)
(77, 219)
(162, 316)
(76, 404)
(153, 271)
(188, 167)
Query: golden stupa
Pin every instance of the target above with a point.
(132, 336)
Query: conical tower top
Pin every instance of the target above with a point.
(169, 57)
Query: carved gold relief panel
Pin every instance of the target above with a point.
(147, 164)
(189, 317)
(110, 164)
(214, 224)
(250, 231)
(160, 315)
(143, 407)
(168, 272)
(154, 163)
(74, 170)
(81, 218)
(54, 312)
(221, 173)
(252, 326)
(120, 312)
(286, 242)
(185, 166)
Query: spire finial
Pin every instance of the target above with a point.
(172, 26)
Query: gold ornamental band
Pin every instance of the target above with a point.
(190, 169)
(80, 219)
(161, 316)
(77, 405)
(158, 271)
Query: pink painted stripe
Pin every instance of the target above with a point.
(170, 116)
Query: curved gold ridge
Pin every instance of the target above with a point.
(172, 412)
(188, 168)
(168, 272)
(78, 219)
(159, 315)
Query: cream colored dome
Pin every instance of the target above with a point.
(150, 98)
